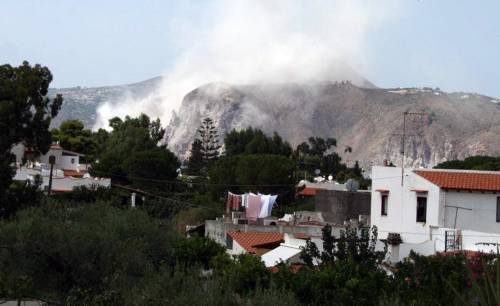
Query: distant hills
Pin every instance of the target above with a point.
(82, 102)
(367, 119)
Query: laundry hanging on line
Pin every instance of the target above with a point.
(234, 202)
(256, 205)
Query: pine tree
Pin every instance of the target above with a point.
(209, 137)
(195, 163)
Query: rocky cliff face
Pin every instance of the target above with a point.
(368, 120)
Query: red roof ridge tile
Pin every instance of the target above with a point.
(473, 180)
(458, 171)
(249, 240)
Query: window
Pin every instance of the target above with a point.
(421, 209)
(229, 242)
(498, 209)
(383, 203)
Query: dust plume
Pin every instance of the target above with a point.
(242, 42)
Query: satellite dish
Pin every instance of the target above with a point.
(317, 171)
(352, 185)
(330, 177)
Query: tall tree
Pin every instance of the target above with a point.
(209, 137)
(25, 113)
(254, 141)
(73, 136)
(316, 154)
(131, 153)
(195, 162)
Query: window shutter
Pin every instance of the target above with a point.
(498, 209)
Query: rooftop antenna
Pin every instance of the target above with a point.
(403, 135)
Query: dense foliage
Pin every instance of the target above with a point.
(74, 252)
(25, 113)
(489, 163)
(318, 154)
(73, 136)
(257, 173)
(131, 154)
(253, 141)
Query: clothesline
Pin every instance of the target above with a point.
(255, 205)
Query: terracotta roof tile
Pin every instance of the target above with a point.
(301, 235)
(73, 173)
(463, 180)
(309, 191)
(249, 240)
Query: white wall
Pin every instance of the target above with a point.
(56, 152)
(67, 164)
(481, 218)
(237, 249)
(402, 204)
(18, 151)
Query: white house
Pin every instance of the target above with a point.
(64, 159)
(258, 243)
(452, 209)
(68, 173)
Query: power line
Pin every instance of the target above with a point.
(189, 183)
(162, 197)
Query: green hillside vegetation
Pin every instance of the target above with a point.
(485, 163)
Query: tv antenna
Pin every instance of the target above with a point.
(403, 136)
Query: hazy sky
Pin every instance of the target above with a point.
(452, 44)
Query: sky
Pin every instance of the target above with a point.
(451, 44)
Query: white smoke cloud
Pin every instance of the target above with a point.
(261, 41)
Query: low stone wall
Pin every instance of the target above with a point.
(339, 206)
(217, 229)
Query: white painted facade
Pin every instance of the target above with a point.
(236, 248)
(64, 159)
(475, 220)
(402, 204)
(59, 181)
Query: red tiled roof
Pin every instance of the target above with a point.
(301, 235)
(467, 253)
(463, 180)
(250, 240)
(73, 173)
(61, 190)
(311, 223)
(309, 191)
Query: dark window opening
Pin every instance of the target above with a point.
(421, 209)
(384, 200)
(498, 209)
(229, 242)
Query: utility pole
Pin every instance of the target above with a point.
(403, 140)
(52, 161)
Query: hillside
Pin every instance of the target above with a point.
(366, 119)
(82, 102)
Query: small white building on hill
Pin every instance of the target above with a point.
(444, 209)
(67, 174)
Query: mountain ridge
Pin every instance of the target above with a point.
(458, 124)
